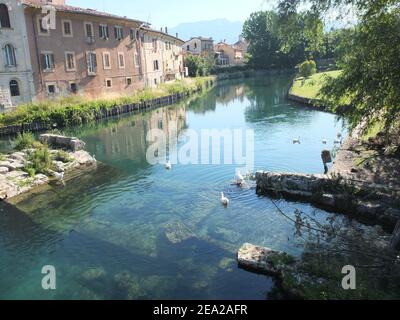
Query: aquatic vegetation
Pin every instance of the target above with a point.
(68, 111)
(62, 156)
(26, 140)
(40, 161)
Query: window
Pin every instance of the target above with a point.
(121, 60)
(42, 31)
(154, 44)
(155, 81)
(47, 60)
(104, 32)
(89, 29)
(4, 16)
(67, 28)
(119, 33)
(106, 60)
(109, 83)
(91, 63)
(70, 63)
(137, 60)
(156, 66)
(14, 88)
(188, 48)
(9, 52)
(51, 88)
(73, 87)
(132, 34)
(129, 81)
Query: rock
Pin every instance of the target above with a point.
(178, 232)
(264, 260)
(19, 156)
(58, 141)
(3, 170)
(94, 274)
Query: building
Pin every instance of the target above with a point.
(230, 55)
(16, 82)
(199, 45)
(164, 59)
(88, 52)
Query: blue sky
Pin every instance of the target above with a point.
(170, 13)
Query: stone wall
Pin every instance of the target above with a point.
(373, 203)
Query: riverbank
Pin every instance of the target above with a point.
(20, 173)
(76, 110)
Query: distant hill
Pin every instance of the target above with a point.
(220, 29)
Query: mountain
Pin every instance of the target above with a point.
(220, 29)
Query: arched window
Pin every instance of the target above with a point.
(4, 16)
(14, 88)
(9, 52)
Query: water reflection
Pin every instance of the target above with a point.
(130, 230)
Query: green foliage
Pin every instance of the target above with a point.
(368, 54)
(62, 156)
(199, 66)
(308, 68)
(31, 172)
(277, 40)
(69, 111)
(25, 140)
(39, 161)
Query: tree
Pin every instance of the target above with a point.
(308, 68)
(369, 57)
(199, 65)
(279, 40)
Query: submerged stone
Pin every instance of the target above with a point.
(177, 232)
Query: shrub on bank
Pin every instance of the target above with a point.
(308, 68)
(68, 111)
(25, 140)
(39, 161)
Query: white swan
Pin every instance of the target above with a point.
(59, 176)
(224, 200)
(168, 165)
(239, 179)
(296, 140)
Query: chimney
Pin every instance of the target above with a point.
(161, 29)
(177, 35)
(166, 29)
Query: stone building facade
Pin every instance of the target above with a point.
(87, 52)
(16, 82)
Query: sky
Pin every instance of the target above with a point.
(170, 13)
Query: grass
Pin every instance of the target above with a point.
(75, 110)
(39, 161)
(311, 87)
(25, 140)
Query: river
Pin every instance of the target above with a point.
(132, 230)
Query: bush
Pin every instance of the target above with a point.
(308, 68)
(199, 66)
(39, 161)
(26, 140)
(62, 156)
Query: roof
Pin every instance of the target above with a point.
(95, 13)
(202, 38)
(163, 33)
(77, 10)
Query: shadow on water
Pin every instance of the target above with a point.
(131, 230)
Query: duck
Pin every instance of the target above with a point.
(296, 140)
(168, 165)
(239, 179)
(94, 158)
(224, 200)
(59, 176)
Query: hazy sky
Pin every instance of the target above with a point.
(170, 13)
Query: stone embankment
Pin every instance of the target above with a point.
(14, 180)
(361, 183)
